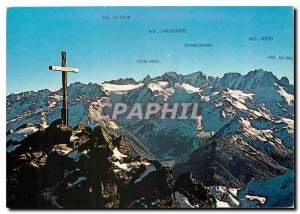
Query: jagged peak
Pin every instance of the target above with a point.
(146, 79)
(252, 81)
(260, 73)
(198, 74)
(27, 94)
(77, 84)
(172, 73)
(122, 81)
(231, 74)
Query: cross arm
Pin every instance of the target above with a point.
(65, 69)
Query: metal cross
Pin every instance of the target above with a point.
(64, 70)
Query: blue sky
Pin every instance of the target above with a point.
(109, 49)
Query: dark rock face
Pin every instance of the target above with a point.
(156, 185)
(284, 81)
(146, 80)
(122, 81)
(197, 195)
(62, 167)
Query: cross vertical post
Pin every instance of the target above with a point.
(64, 70)
(64, 110)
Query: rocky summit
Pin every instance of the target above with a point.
(57, 166)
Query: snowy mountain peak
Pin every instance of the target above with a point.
(198, 79)
(198, 75)
(261, 74)
(170, 76)
(253, 81)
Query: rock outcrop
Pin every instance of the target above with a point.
(62, 167)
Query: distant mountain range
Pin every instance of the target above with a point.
(246, 130)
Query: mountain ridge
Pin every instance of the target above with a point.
(283, 80)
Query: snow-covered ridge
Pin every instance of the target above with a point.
(188, 88)
(120, 88)
(239, 95)
(287, 96)
(161, 88)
